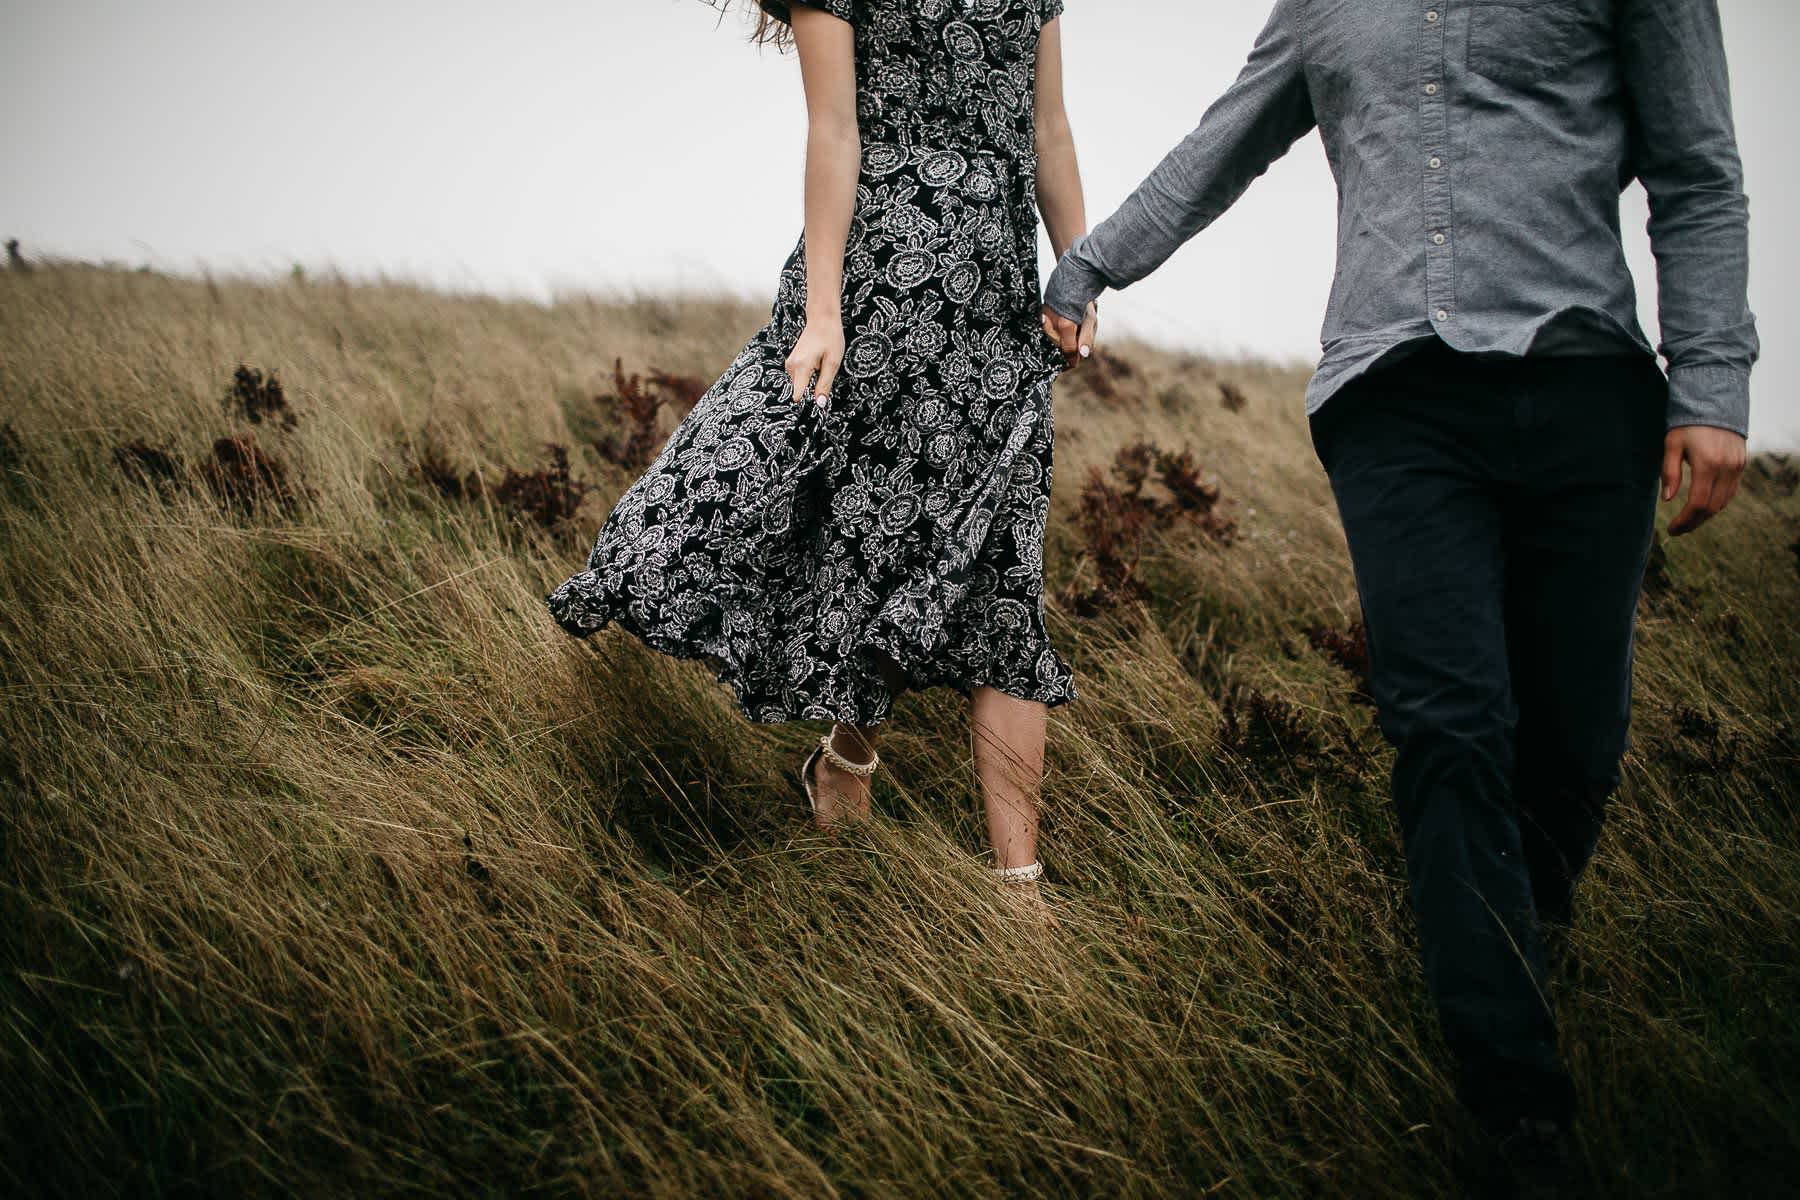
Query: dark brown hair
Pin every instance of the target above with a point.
(769, 31)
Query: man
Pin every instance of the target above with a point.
(1496, 424)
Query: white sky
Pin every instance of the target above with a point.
(544, 145)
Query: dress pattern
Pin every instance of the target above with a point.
(801, 550)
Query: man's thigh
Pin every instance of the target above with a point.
(1577, 536)
(1410, 462)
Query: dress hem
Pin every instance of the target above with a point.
(726, 672)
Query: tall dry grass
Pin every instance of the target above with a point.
(331, 866)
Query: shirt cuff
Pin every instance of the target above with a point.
(1071, 286)
(1710, 395)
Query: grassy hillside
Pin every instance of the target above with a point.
(331, 866)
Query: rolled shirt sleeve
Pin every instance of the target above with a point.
(1684, 151)
(1254, 123)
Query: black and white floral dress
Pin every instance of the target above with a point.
(793, 546)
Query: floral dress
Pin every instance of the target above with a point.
(807, 552)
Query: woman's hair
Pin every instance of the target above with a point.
(768, 30)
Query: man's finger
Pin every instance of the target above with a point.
(1701, 480)
(1726, 490)
(1671, 468)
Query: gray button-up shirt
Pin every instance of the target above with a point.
(1479, 148)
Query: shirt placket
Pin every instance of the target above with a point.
(1434, 150)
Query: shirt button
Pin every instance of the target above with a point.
(1431, 89)
(1442, 315)
(1434, 162)
(1431, 17)
(1438, 239)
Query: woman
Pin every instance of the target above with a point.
(857, 507)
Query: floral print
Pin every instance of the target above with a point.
(812, 555)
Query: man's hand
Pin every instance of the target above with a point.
(1077, 341)
(1715, 460)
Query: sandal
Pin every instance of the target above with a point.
(1029, 873)
(831, 755)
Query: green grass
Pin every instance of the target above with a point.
(331, 866)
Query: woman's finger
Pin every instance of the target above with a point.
(828, 369)
(799, 371)
(1090, 332)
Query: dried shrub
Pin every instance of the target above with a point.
(145, 464)
(15, 258)
(258, 398)
(1119, 519)
(548, 496)
(1231, 398)
(637, 404)
(679, 392)
(1104, 373)
(1701, 742)
(245, 476)
(1260, 726)
(434, 468)
(1772, 474)
(1349, 649)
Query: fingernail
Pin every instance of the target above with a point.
(1085, 352)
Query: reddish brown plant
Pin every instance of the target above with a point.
(435, 468)
(1349, 649)
(259, 398)
(1119, 519)
(637, 405)
(145, 464)
(548, 496)
(246, 477)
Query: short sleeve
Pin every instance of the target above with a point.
(1052, 10)
(781, 10)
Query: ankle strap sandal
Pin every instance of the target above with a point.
(1030, 873)
(830, 753)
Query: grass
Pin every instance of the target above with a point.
(331, 866)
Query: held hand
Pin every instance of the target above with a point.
(1715, 459)
(817, 355)
(1077, 341)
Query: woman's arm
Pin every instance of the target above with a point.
(1059, 175)
(827, 46)
(1060, 197)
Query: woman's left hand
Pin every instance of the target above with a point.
(816, 358)
(1076, 341)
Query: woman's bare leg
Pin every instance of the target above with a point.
(843, 797)
(1008, 739)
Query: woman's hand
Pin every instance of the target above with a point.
(1077, 341)
(818, 354)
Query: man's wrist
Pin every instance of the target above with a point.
(1072, 287)
(1718, 396)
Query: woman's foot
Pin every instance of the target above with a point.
(1022, 896)
(838, 777)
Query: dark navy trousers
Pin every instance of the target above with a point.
(1499, 514)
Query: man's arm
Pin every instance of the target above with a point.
(1684, 150)
(1255, 122)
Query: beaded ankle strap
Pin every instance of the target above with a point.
(859, 770)
(1029, 873)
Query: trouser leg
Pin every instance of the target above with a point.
(1412, 463)
(1577, 537)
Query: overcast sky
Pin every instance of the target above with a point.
(545, 145)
